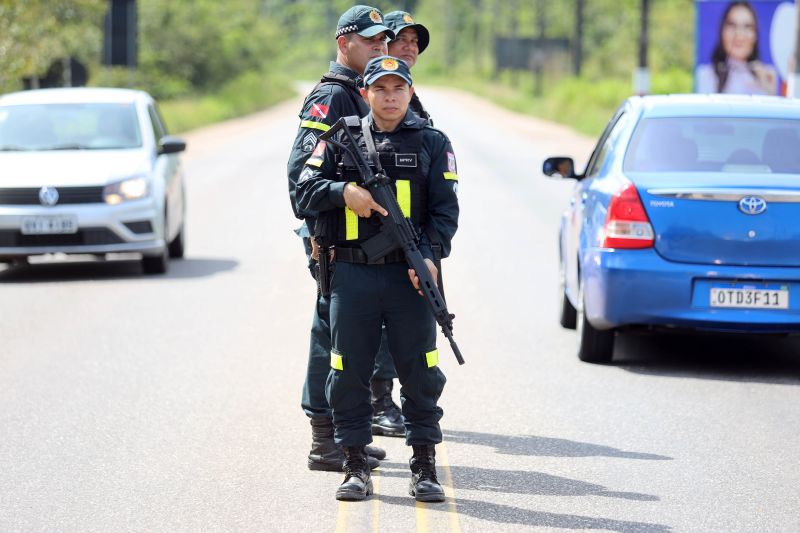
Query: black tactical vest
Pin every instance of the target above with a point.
(401, 158)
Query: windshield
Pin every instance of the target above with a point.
(69, 127)
(715, 144)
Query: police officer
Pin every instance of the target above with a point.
(420, 162)
(410, 40)
(360, 36)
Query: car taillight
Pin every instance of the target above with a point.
(627, 225)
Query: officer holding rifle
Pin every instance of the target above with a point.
(372, 283)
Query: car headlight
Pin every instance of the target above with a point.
(123, 191)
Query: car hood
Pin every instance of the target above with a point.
(70, 168)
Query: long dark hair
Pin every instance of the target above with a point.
(719, 58)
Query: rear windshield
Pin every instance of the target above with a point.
(703, 144)
(69, 127)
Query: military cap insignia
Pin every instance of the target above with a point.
(407, 18)
(389, 64)
(375, 17)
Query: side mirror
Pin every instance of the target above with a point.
(171, 145)
(562, 166)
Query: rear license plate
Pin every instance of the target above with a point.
(48, 225)
(749, 298)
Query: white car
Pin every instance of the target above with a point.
(89, 171)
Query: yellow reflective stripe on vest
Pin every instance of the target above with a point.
(404, 196)
(314, 125)
(451, 176)
(350, 223)
(432, 358)
(336, 361)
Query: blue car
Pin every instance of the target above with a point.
(686, 216)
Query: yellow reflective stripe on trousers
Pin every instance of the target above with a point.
(314, 125)
(451, 176)
(336, 361)
(404, 196)
(432, 358)
(350, 223)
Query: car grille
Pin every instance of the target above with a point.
(66, 195)
(87, 236)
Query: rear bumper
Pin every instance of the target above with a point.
(640, 288)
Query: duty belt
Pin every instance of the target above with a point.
(357, 255)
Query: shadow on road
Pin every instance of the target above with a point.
(731, 357)
(112, 270)
(544, 446)
(520, 482)
(506, 514)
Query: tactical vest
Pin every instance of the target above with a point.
(351, 88)
(401, 158)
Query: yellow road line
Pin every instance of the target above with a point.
(422, 518)
(449, 491)
(341, 518)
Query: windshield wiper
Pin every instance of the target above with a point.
(68, 146)
(13, 148)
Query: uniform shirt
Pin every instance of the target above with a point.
(321, 109)
(319, 190)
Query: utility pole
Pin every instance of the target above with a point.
(641, 76)
(793, 89)
(577, 44)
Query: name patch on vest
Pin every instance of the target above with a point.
(405, 160)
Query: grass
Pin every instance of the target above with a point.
(246, 94)
(583, 104)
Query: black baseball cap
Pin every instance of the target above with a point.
(363, 20)
(400, 20)
(384, 66)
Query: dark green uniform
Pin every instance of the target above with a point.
(335, 96)
(421, 163)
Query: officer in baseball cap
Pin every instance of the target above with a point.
(366, 21)
(397, 21)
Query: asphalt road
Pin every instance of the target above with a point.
(171, 403)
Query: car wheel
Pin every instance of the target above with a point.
(594, 345)
(156, 264)
(178, 245)
(569, 314)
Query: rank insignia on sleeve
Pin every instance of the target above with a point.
(309, 142)
(305, 174)
(319, 110)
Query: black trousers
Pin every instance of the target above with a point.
(363, 299)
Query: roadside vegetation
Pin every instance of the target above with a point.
(206, 60)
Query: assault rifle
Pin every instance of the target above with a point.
(396, 230)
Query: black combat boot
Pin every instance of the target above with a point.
(326, 455)
(386, 416)
(357, 484)
(424, 485)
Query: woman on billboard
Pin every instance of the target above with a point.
(735, 63)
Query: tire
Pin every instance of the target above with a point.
(594, 345)
(156, 264)
(569, 314)
(178, 245)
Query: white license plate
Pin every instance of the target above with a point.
(48, 225)
(750, 298)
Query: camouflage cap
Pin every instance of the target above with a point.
(363, 20)
(384, 66)
(400, 20)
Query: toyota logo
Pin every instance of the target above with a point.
(752, 205)
(48, 196)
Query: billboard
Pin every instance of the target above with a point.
(744, 47)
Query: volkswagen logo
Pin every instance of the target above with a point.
(752, 205)
(48, 196)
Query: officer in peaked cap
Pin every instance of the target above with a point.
(368, 293)
(360, 35)
(410, 40)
